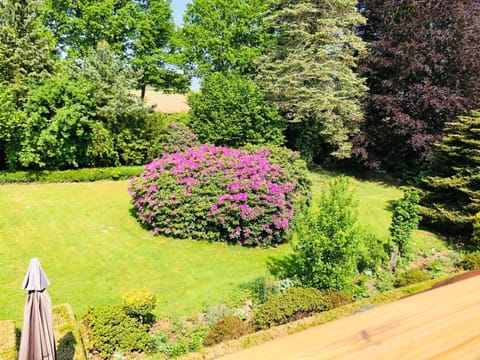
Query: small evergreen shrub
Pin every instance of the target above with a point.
(140, 304)
(179, 341)
(294, 304)
(218, 194)
(476, 229)
(411, 276)
(227, 328)
(471, 261)
(110, 329)
(337, 298)
(257, 289)
(214, 313)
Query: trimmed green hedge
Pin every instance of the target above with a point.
(8, 350)
(64, 176)
(294, 304)
(67, 334)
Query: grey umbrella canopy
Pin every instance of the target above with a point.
(37, 341)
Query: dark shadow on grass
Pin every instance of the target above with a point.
(357, 172)
(66, 347)
(282, 267)
(18, 334)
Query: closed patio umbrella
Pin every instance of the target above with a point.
(37, 341)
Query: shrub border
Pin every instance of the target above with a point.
(74, 175)
(8, 347)
(66, 329)
(263, 336)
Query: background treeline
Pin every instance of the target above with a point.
(385, 85)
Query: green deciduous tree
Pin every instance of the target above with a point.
(452, 195)
(309, 72)
(230, 110)
(139, 31)
(82, 116)
(222, 35)
(325, 253)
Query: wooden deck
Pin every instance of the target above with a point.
(443, 323)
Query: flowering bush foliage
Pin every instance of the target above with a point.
(219, 194)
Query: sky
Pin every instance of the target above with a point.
(178, 7)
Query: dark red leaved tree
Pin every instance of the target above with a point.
(423, 70)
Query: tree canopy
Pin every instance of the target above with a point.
(423, 70)
(26, 47)
(139, 31)
(222, 35)
(452, 194)
(308, 71)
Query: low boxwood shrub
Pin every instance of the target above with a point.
(411, 276)
(294, 304)
(140, 304)
(111, 330)
(471, 261)
(219, 194)
(227, 328)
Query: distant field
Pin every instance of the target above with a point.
(166, 103)
(94, 251)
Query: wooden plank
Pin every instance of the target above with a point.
(443, 323)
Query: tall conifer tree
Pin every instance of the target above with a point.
(452, 195)
(309, 73)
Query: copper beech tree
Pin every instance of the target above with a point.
(423, 70)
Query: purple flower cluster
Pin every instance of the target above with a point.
(216, 193)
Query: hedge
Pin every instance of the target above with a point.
(8, 350)
(76, 175)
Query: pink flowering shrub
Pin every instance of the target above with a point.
(221, 194)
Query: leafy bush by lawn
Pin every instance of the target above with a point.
(227, 328)
(220, 194)
(140, 304)
(471, 261)
(330, 248)
(405, 218)
(294, 304)
(230, 110)
(110, 329)
(411, 276)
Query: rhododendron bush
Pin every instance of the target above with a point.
(222, 194)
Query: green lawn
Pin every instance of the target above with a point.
(94, 251)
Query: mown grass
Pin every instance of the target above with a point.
(94, 251)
